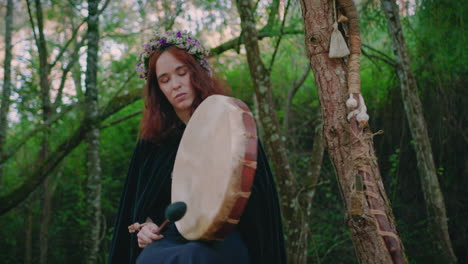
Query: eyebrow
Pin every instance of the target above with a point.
(176, 69)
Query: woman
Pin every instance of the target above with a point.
(178, 79)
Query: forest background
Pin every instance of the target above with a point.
(47, 188)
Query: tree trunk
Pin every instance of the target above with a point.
(417, 124)
(369, 217)
(49, 187)
(28, 231)
(311, 182)
(45, 220)
(46, 106)
(92, 138)
(6, 91)
(295, 227)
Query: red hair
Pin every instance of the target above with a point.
(159, 117)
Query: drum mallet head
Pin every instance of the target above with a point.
(174, 212)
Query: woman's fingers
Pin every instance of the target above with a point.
(148, 234)
(143, 240)
(152, 233)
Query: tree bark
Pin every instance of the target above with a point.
(369, 217)
(49, 187)
(47, 111)
(294, 218)
(414, 113)
(46, 204)
(93, 164)
(6, 91)
(28, 231)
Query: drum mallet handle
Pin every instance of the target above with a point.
(174, 212)
(162, 226)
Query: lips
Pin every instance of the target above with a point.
(180, 96)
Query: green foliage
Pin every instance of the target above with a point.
(436, 38)
(331, 241)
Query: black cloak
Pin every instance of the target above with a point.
(146, 193)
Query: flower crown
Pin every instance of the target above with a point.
(181, 40)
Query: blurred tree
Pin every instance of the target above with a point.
(6, 90)
(418, 128)
(93, 163)
(294, 195)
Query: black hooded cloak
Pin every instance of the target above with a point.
(147, 190)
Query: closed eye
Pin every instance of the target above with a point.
(164, 79)
(182, 71)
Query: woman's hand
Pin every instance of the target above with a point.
(148, 233)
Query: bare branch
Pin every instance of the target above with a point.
(233, 43)
(383, 57)
(36, 177)
(272, 61)
(273, 13)
(120, 119)
(73, 60)
(124, 84)
(291, 93)
(74, 34)
(64, 48)
(12, 150)
(31, 19)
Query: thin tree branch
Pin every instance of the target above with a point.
(31, 19)
(233, 43)
(73, 60)
(12, 150)
(384, 57)
(65, 47)
(291, 93)
(120, 119)
(36, 177)
(75, 33)
(272, 61)
(274, 8)
(41, 44)
(124, 84)
(172, 18)
(388, 61)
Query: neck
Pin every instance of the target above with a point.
(184, 116)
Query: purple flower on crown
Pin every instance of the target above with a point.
(147, 47)
(179, 35)
(163, 41)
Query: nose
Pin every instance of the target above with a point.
(176, 83)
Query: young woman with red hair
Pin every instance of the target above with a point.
(178, 78)
(159, 118)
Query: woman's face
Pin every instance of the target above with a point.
(174, 81)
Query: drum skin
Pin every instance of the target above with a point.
(215, 168)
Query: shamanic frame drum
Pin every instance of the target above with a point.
(215, 168)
